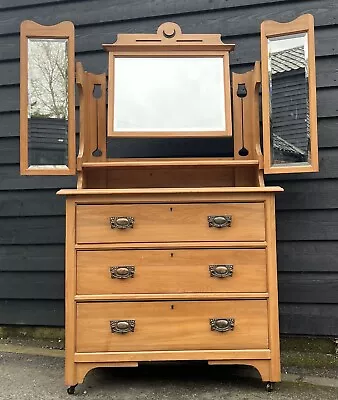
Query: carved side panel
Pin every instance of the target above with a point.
(93, 116)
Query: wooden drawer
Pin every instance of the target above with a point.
(171, 271)
(170, 222)
(171, 325)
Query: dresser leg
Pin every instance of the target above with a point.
(71, 389)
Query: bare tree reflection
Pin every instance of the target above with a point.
(47, 101)
(48, 78)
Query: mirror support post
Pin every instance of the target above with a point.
(93, 116)
(246, 126)
(246, 118)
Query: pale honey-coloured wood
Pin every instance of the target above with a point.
(31, 29)
(246, 116)
(92, 116)
(171, 271)
(270, 369)
(170, 223)
(273, 312)
(84, 298)
(260, 178)
(199, 194)
(227, 96)
(176, 245)
(70, 285)
(171, 325)
(168, 34)
(246, 127)
(168, 172)
(304, 23)
(158, 177)
(172, 296)
(170, 162)
(198, 302)
(120, 356)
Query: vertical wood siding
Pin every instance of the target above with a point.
(32, 217)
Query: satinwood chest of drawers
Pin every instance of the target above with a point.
(171, 274)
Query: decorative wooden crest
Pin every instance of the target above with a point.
(169, 34)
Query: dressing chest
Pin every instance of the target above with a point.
(173, 258)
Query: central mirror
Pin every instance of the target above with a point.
(169, 94)
(169, 84)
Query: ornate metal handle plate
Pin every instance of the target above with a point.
(121, 222)
(219, 221)
(221, 270)
(122, 272)
(222, 324)
(122, 326)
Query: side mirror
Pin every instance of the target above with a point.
(289, 96)
(47, 99)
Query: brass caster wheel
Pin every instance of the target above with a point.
(269, 386)
(71, 389)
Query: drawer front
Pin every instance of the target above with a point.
(195, 325)
(170, 222)
(171, 271)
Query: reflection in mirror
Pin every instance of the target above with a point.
(169, 94)
(289, 99)
(47, 103)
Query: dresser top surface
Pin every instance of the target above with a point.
(204, 190)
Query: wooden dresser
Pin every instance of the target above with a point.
(170, 258)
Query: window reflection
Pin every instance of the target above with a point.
(289, 99)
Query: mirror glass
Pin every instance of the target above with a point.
(169, 94)
(47, 103)
(289, 99)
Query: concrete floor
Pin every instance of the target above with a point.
(40, 377)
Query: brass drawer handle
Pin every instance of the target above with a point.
(122, 272)
(221, 270)
(219, 221)
(122, 222)
(122, 326)
(222, 324)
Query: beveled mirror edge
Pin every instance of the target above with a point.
(269, 29)
(31, 29)
(158, 45)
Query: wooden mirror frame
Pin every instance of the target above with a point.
(33, 30)
(169, 42)
(270, 29)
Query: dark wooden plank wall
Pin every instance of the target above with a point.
(32, 217)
